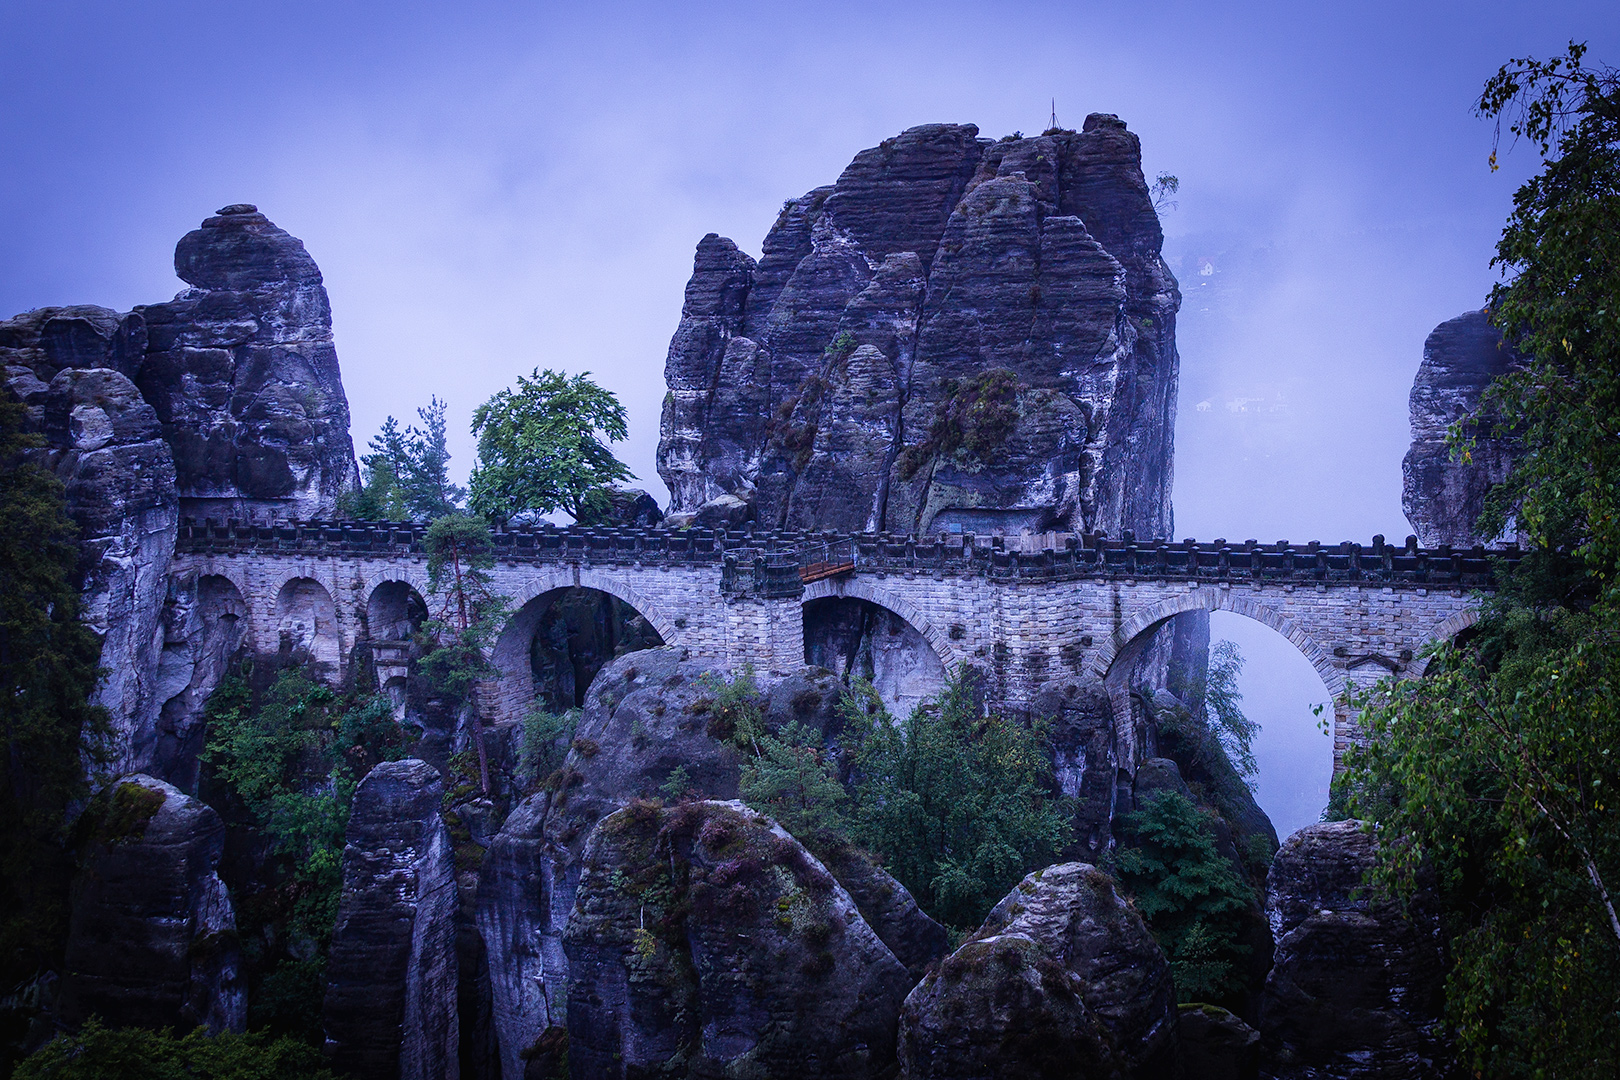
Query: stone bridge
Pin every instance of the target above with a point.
(1029, 610)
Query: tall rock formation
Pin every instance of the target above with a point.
(959, 333)
(152, 938)
(390, 1010)
(225, 401)
(1443, 497)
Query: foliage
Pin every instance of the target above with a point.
(48, 670)
(97, 1052)
(1165, 185)
(1192, 897)
(956, 802)
(293, 755)
(1219, 726)
(793, 779)
(1496, 770)
(540, 448)
(736, 708)
(407, 475)
(973, 420)
(546, 736)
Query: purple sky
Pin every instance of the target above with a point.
(494, 187)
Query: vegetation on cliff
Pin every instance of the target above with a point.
(1499, 770)
(48, 669)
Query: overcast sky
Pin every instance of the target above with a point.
(494, 187)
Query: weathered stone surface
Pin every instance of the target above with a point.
(816, 387)
(1215, 1045)
(1001, 1008)
(244, 375)
(1073, 912)
(1356, 989)
(152, 940)
(647, 715)
(1443, 498)
(707, 942)
(104, 441)
(632, 507)
(390, 1008)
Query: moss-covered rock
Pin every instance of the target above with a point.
(705, 941)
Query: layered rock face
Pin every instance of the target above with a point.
(705, 941)
(1063, 979)
(1443, 497)
(390, 1009)
(225, 401)
(959, 333)
(1356, 989)
(647, 715)
(152, 937)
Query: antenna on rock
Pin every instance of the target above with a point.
(1054, 112)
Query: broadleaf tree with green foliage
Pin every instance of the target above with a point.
(97, 1052)
(48, 672)
(541, 448)
(1498, 770)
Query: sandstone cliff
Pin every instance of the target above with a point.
(959, 333)
(1443, 496)
(225, 401)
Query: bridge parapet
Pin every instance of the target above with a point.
(772, 563)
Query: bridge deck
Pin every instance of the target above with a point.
(774, 563)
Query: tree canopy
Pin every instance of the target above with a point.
(541, 449)
(1498, 770)
(407, 474)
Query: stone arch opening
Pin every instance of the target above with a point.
(555, 644)
(306, 619)
(395, 611)
(857, 637)
(1161, 667)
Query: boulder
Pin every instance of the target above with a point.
(1443, 497)
(390, 1009)
(1001, 1008)
(152, 933)
(1062, 931)
(1356, 990)
(826, 386)
(632, 507)
(706, 941)
(1216, 1045)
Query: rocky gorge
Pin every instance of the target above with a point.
(959, 335)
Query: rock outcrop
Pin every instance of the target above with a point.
(1215, 1045)
(243, 373)
(1443, 497)
(1062, 955)
(706, 941)
(152, 937)
(960, 333)
(390, 1009)
(650, 718)
(1356, 988)
(225, 401)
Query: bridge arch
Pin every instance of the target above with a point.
(513, 651)
(306, 617)
(1445, 631)
(1221, 600)
(851, 623)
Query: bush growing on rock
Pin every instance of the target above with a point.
(97, 1052)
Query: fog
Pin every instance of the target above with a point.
(491, 187)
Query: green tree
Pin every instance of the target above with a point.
(48, 672)
(792, 778)
(540, 448)
(1192, 898)
(461, 554)
(955, 801)
(97, 1052)
(407, 474)
(1497, 770)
